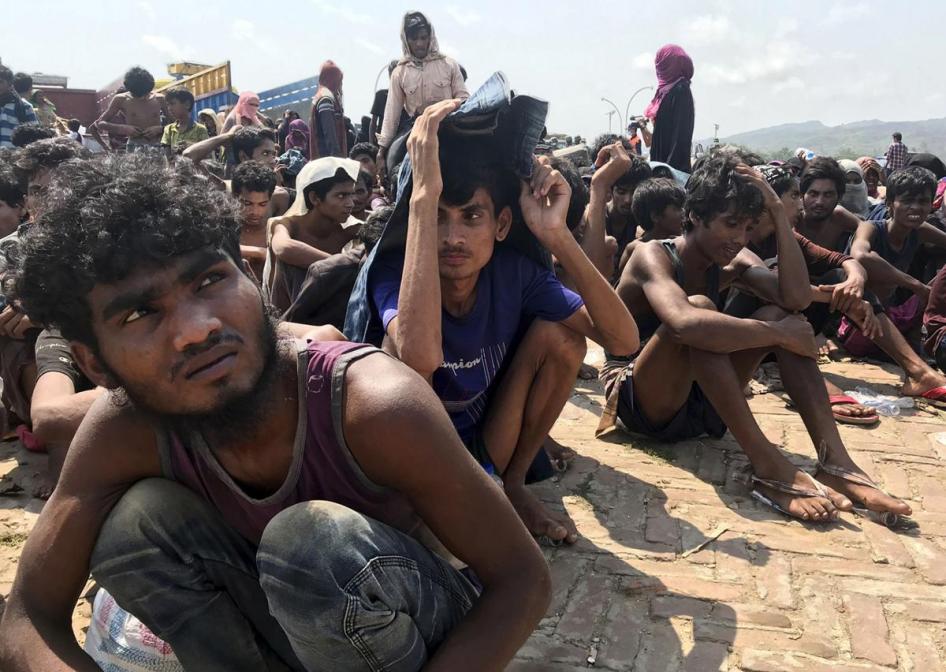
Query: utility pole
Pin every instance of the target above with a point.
(716, 134)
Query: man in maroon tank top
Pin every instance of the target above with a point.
(258, 507)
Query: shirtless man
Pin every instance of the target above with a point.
(142, 109)
(248, 143)
(256, 502)
(688, 379)
(826, 222)
(315, 228)
(253, 185)
(658, 210)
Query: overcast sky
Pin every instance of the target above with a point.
(757, 63)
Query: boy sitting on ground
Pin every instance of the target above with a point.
(253, 185)
(316, 226)
(498, 337)
(688, 379)
(142, 109)
(256, 502)
(658, 210)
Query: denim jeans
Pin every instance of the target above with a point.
(327, 588)
(513, 125)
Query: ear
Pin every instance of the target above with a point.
(243, 156)
(695, 219)
(91, 366)
(504, 223)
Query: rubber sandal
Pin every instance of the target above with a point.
(780, 486)
(29, 440)
(887, 518)
(845, 400)
(935, 397)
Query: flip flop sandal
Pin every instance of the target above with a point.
(935, 397)
(780, 486)
(887, 518)
(845, 400)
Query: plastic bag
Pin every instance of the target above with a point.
(884, 404)
(119, 642)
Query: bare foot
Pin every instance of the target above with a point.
(869, 497)
(853, 411)
(817, 509)
(560, 456)
(538, 519)
(44, 490)
(916, 388)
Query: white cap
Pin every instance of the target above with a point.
(316, 171)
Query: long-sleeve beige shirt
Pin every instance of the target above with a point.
(414, 86)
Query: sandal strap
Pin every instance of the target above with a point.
(850, 476)
(789, 489)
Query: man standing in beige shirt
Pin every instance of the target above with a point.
(422, 77)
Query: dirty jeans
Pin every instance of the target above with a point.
(327, 588)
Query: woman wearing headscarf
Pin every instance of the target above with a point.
(207, 117)
(855, 192)
(297, 137)
(423, 76)
(672, 109)
(873, 178)
(328, 136)
(245, 112)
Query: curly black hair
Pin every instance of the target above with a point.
(607, 139)
(247, 139)
(364, 149)
(138, 82)
(715, 187)
(28, 133)
(652, 197)
(913, 181)
(12, 189)
(107, 219)
(253, 176)
(639, 171)
(46, 154)
(823, 168)
(734, 152)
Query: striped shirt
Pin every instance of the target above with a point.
(9, 119)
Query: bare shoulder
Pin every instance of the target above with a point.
(846, 219)
(649, 258)
(115, 444)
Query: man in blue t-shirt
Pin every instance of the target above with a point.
(497, 335)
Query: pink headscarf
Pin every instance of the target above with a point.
(298, 137)
(673, 64)
(246, 108)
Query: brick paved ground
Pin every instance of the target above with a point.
(769, 595)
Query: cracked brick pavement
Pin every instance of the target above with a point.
(767, 595)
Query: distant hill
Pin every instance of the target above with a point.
(858, 138)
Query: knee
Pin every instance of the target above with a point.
(310, 534)
(702, 302)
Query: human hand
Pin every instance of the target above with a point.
(845, 295)
(611, 164)
(798, 336)
(14, 324)
(544, 202)
(755, 177)
(423, 146)
(862, 313)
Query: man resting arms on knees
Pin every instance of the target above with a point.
(688, 379)
(498, 336)
(256, 504)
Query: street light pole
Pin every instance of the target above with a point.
(616, 109)
(627, 110)
(610, 114)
